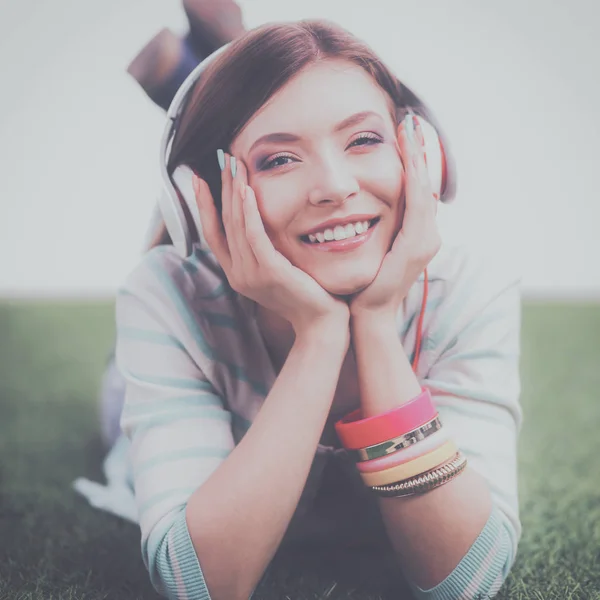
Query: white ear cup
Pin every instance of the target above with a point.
(183, 179)
(174, 218)
(433, 155)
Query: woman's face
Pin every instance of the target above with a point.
(324, 148)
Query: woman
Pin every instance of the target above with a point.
(285, 353)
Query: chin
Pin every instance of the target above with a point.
(347, 286)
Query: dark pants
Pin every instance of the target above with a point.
(190, 59)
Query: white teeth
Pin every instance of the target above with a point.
(339, 232)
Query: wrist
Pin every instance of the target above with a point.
(373, 322)
(333, 331)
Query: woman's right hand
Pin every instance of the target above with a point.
(254, 268)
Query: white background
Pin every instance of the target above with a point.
(514, 84)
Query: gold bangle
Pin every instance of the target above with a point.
(397, 443)
(426, 481)
(413, 467)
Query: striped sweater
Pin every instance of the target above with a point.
(197, 373)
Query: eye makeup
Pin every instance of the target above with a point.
(270, 161)
(369, 138)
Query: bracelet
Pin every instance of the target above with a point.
(403, 456)
(356, 433)
(398, 443)
(414, 467)
(426, 481)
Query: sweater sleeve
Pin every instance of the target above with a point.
(475, 384)
(179, 428)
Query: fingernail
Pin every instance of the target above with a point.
(233, 165)
(221, 158)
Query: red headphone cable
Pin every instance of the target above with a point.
(420, 325)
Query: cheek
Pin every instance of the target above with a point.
(386, 177)
(275, 206)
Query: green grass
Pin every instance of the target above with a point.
(53, 545)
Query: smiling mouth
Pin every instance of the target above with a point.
(340, 232)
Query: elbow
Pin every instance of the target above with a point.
(227, 573)
(490, 578)
(493, 571)
(174, 565)
(483, 570)
(171, 560)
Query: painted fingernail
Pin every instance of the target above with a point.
(233, 166)
(221, 158)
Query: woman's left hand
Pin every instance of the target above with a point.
(417, 242)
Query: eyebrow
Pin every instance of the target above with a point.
(291, 137)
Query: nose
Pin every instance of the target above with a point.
(333, 182)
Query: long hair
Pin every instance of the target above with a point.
(251, 70)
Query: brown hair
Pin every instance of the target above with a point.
(253, 68)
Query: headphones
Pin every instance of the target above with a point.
(178, 205)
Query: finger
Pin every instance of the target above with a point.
(240, 182)
(399, 133)
(421, 159)
(419, 231)
(412, 145)
(420, 205)
(411, 187)
(227, 212)
(257, 237)
(211, 222)
(421, 162)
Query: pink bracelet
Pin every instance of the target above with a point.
(356, 433)
(429, 444)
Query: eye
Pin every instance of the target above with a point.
(368, 138)
(272, 162)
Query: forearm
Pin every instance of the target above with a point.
(430, 532)
(238, 517)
